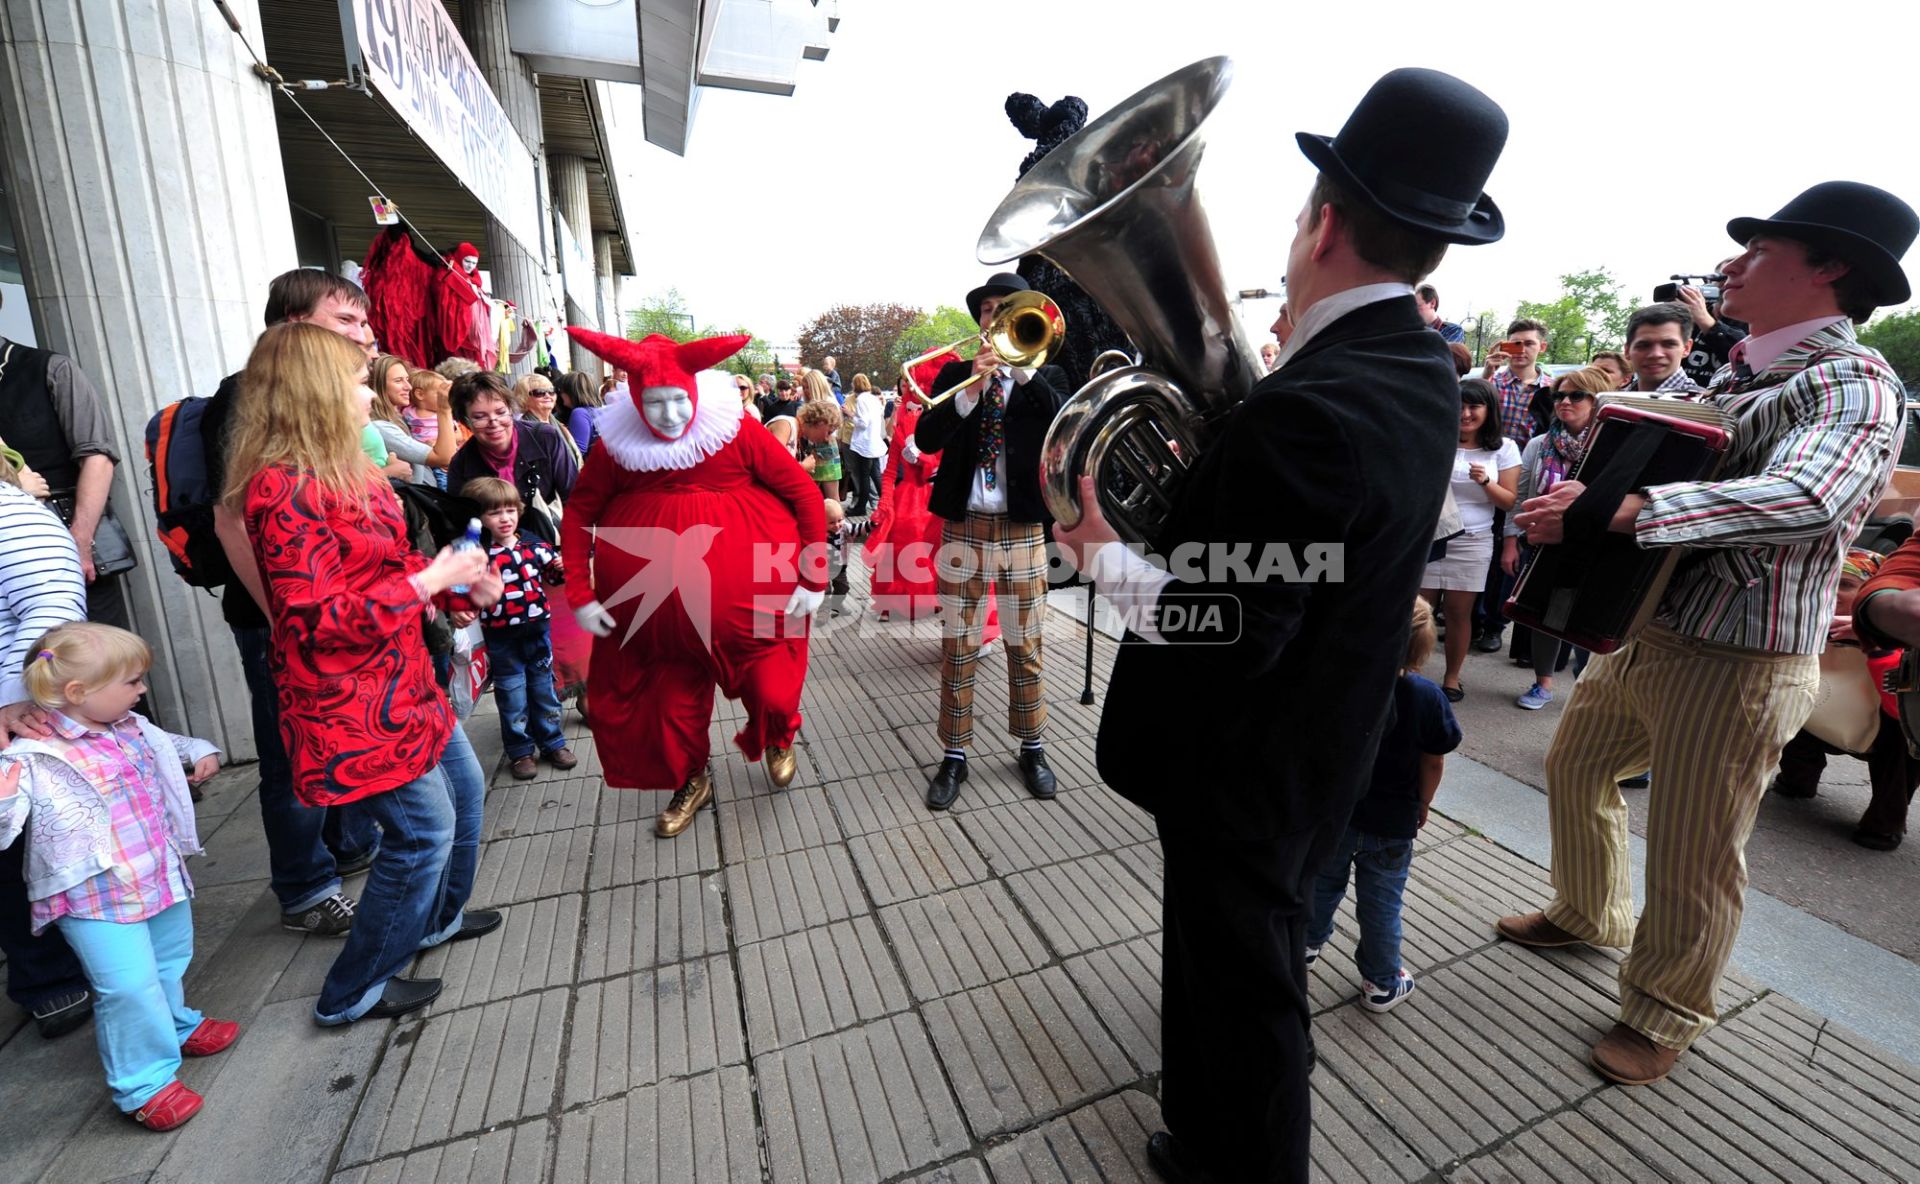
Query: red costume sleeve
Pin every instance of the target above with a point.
(774, 467)
(1900, 573)
(591, 492)
(301, 545)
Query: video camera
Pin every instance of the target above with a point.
(1708, 284)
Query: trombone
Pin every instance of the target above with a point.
(1026, 328)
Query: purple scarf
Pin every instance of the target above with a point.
(1560, 457)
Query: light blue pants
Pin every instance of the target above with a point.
(140, 1012)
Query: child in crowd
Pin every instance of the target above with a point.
(518, 632)
(424, 426)
(836, 550)
(1378, 843)
(108, 816)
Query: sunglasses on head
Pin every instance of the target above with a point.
(1575, 396)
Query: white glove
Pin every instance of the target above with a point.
(910, 453)
(594, 619)
(804, 602)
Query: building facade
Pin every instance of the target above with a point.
(160, 167)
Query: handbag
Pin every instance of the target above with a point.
(1846, 712)
(112, 549)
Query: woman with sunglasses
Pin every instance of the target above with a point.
(538, 401)
(1486, 477)
(744, 385)
(1549, 459)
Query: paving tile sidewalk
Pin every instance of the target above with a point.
(833, 983)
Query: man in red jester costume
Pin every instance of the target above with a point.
(700, 531)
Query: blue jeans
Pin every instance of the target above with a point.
(521, 659)
(1380, 869)
(140, 1012)
(467, 784)
(302, 841)
(403, 895)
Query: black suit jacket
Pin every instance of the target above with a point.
(1350, 445)
(1030, 411)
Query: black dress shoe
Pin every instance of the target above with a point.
(1489, 643)
(945, 785)
(1168, 1162)
(1034, 771)
(402, 996)
(477, 923)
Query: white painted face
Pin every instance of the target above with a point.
(667, 409)
(470, 263)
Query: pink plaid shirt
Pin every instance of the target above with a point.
(148, 876)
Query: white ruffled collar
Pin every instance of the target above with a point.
(623, 431)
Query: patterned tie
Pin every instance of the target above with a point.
(993, 411)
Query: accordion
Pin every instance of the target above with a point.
(1597, 594)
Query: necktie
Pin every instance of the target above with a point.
(993, 410)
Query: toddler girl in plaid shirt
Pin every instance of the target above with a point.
(109, 815)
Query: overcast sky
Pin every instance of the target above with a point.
(1637, 132)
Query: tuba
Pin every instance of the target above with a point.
(1115, 208)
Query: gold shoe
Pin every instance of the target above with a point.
(686, 803)
(781, 764)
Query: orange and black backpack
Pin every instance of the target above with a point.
(183, 493)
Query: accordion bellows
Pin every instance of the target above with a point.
(1598, 594)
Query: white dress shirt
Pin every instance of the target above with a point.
(982, 498)
(1123, 575)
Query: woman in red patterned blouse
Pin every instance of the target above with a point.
(361, 715)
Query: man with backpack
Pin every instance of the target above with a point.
(308, 848)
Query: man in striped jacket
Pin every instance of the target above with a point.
(1726, 675)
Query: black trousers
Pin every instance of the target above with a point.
(1234, 1013)
(38, 968)
(863, 482)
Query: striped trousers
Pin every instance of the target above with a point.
(1710, 721)
(990, 551)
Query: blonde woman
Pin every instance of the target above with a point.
(362, 717)
(538, 401)
(394, 396)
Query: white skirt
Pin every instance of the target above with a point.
(1464, 567)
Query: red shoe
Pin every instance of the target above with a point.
(210, 1037)
(169, 1108)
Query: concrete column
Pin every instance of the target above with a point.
(570, 198)
(148, 200)
(603, 271)
(517, 274)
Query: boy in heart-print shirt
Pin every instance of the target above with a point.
(518, 632)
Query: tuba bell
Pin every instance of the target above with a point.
(1115, 207)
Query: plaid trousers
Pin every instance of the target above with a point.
(990, 551)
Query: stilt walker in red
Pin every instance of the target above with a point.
(699, 530)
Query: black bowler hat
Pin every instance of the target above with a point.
(1868, 228)
(1419, 148)
(1001, 283)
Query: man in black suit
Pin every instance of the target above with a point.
(988, 434)
(1245, 713)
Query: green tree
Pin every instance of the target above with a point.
(1486, 328)
(1589, 315)
(931, 330)
(667, 315)
(1897, 335)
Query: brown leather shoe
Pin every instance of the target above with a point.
(1629, 1058)
(1533, 929)
(562, 758)
(781, 764)
(686, 803)
(525, 769)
